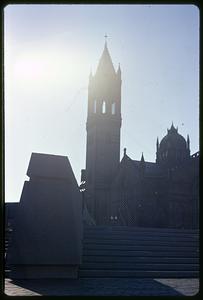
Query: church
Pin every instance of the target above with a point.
(160, 194)
(129, 201)
(134, 192)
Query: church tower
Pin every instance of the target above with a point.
(103, 136)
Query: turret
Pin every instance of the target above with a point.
(157, 150)
(142, 165)
(157, 144)
(188, 142)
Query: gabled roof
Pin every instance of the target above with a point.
(151, 168)
(129, 170)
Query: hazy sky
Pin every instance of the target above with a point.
(49, 52)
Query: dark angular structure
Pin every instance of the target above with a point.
(134, 192)
(47, 236)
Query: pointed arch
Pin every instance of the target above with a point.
(104, 107)
(113, 108)
(95, 107)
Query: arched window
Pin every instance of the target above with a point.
(113, 108)
(95, 106)
(104, 107)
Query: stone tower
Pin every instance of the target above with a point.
(103, 136)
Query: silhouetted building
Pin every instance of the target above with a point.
(154, 194)
(103, 135)
(131, 192)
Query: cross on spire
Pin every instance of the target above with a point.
(106, 36)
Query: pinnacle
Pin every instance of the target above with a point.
(142, 158)
(105, 63)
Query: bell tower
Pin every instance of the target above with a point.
(103, 135)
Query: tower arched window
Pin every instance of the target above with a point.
(95, 106)
(103, 107)
(113, 108)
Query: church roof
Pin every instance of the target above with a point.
(151, 168)
(105, 65)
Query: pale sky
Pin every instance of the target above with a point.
(49, 52)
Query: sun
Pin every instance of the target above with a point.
(48, 67)
(34, 67)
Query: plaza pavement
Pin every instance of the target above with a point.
(102, 287)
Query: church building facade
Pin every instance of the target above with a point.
(134, 192)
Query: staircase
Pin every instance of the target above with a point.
(7, 244)
(140, 252)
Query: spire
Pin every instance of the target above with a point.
(124, 152)
(172, 126)
(172, 129)
(188, 142)
(142, 165)
(106, 36)
(157, 149)
(105, 46)
(157, 144)
(105, 65)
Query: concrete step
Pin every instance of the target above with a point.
(138, 247)
(142, 259)
(141, 253)
(139, 229)
(7, 273)
(140, 266)
(141, 236)
(137, 274)
(112, 231)
(144, 242)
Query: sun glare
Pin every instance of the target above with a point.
(31, 67)
(48, 68)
